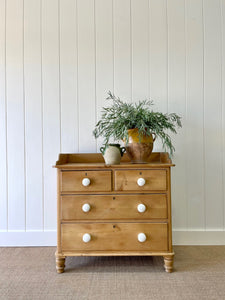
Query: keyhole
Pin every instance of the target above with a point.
(114, 226)
(114, 198)
(140, 173)
(85, 174)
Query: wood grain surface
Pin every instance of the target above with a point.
(126, 180)
(114, 236)
(72, 181)
(113, 207)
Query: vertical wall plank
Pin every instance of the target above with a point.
(3, 130)
(158, 63)
(194, 122)
(15, 115)
(59, 58)
(212, 114)
(51, 107)
(86, 74)
(140, 49)
(223, 100)
(104, 54)
(122, 50)
(177, 103)
(68, 75)
(33, 114)
(158, 53)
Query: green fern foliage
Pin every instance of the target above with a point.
(121, 116)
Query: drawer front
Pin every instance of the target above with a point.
(129, 180)
(115, 236)
(74, 181)
(90, 207)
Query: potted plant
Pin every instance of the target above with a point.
(138, 126)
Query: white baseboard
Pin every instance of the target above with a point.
(48, 238)
(28, 238)
(198, 237)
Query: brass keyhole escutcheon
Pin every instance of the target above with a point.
(114, 226)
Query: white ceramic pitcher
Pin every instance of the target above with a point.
(112, 153)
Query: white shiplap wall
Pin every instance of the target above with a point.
(58, 59)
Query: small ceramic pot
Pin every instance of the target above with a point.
(112, 153)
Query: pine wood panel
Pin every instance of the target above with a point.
(113, 222)
(59, 248)
(15, 115)
(115, 253)
(67, 161)
(115, 236)
(71, 181)
(33, 114)
(169, 206)
(126, 180)
(114, 207)
(3, 115)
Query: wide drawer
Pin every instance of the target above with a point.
(76, 181)
(90, 207)
(140, 180)
(115, 236)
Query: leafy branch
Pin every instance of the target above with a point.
(121, 116)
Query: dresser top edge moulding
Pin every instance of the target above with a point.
(96, 160)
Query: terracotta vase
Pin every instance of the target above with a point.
(139, 149)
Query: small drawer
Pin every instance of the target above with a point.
(115, 237)
(112, 207)
(86, 181)
(141, 180)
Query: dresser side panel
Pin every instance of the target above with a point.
(58, 211)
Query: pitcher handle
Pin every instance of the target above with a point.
(154, 137)
(123, 149)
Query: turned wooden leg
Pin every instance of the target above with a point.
(168, 263)
(60, 263)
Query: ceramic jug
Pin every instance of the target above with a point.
(112, 153)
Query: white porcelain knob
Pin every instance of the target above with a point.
(86, 182)
(141, 208)
(141, 237)
(141, 181)
(86, 207)
(86, 238)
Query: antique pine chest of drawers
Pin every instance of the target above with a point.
(113, 209)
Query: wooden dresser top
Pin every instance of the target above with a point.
(96, 160)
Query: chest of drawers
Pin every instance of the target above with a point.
(105, 210)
